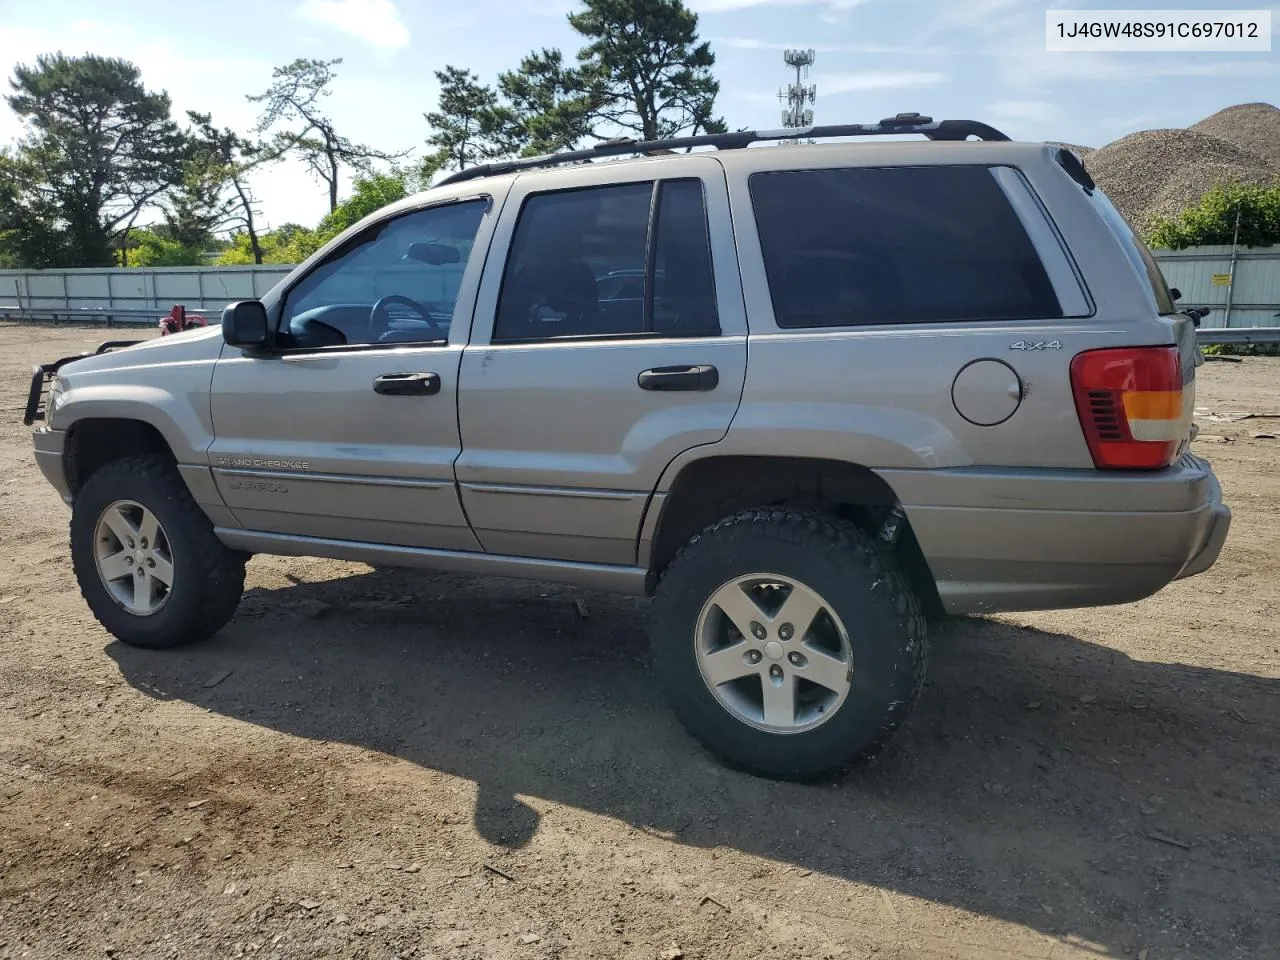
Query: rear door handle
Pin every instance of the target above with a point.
(703, 377)
(407, 384)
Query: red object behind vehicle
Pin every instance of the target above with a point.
(178, 320)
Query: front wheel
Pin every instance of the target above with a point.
(148, 563)
(787, 644)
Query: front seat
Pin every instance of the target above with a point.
(569, 287)
(565, 287)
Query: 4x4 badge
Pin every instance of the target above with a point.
(1036, 345)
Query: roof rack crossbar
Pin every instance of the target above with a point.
(903, 123)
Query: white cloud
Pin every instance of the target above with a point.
(1023, 110)
(752, 43)
(728, 6)
(1039, 70)
(1012, 24)
(377, 22)
(981, 15)
(832, 83)
(559, 9)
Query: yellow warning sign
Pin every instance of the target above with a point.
(1222, 279)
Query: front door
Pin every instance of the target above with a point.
(348, 427)
(611, 338)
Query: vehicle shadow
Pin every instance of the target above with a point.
(1044, 780)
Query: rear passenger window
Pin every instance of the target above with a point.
(684, 292)
(622, 260)
(868, 246)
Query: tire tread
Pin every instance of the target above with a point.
(838, 541)
(220, 569)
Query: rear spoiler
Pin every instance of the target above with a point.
(43, 373)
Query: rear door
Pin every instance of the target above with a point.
(609, 339)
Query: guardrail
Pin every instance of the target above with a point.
(108, 317)
(1237, 335)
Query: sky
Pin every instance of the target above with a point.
(971, 59)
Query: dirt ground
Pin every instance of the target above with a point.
(385, 764)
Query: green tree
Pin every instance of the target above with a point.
(549, 104)
(197, 207)
(1248, 215)
(99, 149)
(468, 127)
(643, 73)
(295, 98)
(646, 71)
(29, 236)
(370, 194)
(225, 162)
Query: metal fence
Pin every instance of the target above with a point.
(1240, 287)
(129, 295)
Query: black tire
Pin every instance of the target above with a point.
(881, 614)
(208, 577)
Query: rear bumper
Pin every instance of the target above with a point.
(1003, 540)
(1215, 539)
(49, 445)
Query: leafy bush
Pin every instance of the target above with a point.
(290, 244)
(1213, 220)
(1242, 350)
(150, 249)
(372, 192)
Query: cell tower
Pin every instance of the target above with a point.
(797, 94)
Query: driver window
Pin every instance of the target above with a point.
(395, 283)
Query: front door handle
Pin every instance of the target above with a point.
(703, 377)
(407, 384)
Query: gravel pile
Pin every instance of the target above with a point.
(1253, 126)
(1162, 172)
(1075, 148)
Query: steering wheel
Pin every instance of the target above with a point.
(380, 321)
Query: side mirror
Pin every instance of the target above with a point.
(1175, 293)
(244, 323)
(436, 254)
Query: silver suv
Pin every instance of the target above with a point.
(803, 396)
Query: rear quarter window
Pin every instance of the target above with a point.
(872, 245)
(1140, 258)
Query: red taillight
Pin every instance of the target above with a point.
(1130, 404)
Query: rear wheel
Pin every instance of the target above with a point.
(787, 644)
(148, 563)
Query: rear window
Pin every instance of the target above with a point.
(895, 245)
(1139, 256)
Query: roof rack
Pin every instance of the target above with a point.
(902, 123)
